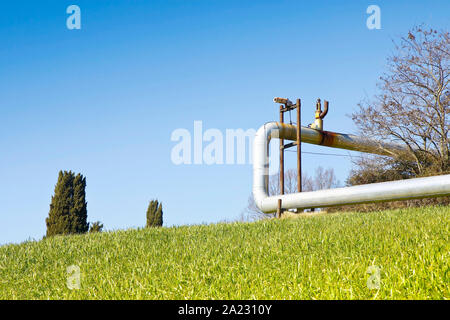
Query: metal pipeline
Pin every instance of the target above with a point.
(376, 192)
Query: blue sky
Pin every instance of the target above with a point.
(105, 99)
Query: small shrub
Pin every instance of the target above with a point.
(96, 226)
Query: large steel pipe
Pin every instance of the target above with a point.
(377, 192)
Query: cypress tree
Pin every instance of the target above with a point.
(154, 214)
(68, 208)
(79, 209)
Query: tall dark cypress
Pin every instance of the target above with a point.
(154, 214)
(68, 208)
(79, 209)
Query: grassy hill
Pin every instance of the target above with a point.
(320, 257)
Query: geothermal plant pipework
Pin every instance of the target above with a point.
(415, 188)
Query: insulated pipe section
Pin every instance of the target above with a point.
(377, 192)
(416, 188)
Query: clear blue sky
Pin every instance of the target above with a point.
(105, 99)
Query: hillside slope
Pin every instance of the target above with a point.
(321, 257)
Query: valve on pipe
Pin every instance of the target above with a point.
(319, 115)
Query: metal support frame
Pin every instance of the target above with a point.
(279, 208)
(299, 150)
(299, 147)
(286, 106)
(281, 155)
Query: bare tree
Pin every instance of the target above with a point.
(323, 179)
(413, 103)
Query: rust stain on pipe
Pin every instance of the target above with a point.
(328, 138)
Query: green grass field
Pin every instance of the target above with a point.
(321, 257)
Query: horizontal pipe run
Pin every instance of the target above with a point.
(376, 192)
(386, 191)
(331, 139)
